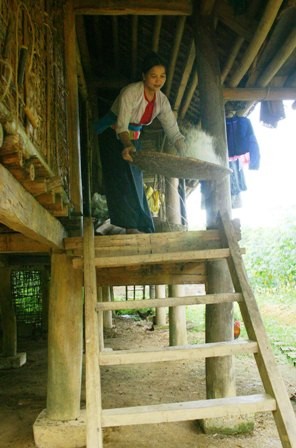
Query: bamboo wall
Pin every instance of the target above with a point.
(32, 86)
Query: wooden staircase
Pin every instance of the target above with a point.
(166, 259)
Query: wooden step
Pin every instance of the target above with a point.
(179, 353)
(190, 410)
(170, 301)
(161, 257)
(146, 243)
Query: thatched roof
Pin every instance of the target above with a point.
(256, 43)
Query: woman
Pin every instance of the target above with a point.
(137, 105)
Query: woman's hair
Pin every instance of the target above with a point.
(151, 59)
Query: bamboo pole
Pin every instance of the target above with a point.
(191, 90)
(115, 42)
(259, 94)
(259, 37)
(175, 52)
(232, 57)
(279, 59)
(185, 77)
(135, 26)
(156, 33)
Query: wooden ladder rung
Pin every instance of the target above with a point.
(178, 353)
(170, 301)
(190, 410)
(155, 258)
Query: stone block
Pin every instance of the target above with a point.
(60, 434)
(13, 362)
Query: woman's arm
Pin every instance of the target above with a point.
(128, 147)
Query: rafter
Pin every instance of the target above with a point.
(21, 212)
(174, 54)
(257, 41)
(124, 7)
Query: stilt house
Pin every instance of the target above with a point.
(62, 63)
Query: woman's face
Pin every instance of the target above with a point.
(155, 78)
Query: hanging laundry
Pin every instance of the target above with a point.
(271, 112)
(242, 140)
(237, 181)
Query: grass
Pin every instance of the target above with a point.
(278, 312)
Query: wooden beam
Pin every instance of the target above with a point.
(21, 212)
(179, 353)
(114, 245)
(232, 57)
(72, 108)
(242, 26)
(170, 274)
(191, 91)
(278, 60)
(185, 77)
(174, 55)
(191, 410)
(134, 44)
(257, 41)
(124, 7)
(170, 301)
(156, 33)
(115, 42)
(18, 243)
(83, 47)
(159, 258)
(259, 94)
(11, 126)
(94, 436)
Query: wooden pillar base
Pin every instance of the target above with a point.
(60, 434)
(242, 424)
(13, 362)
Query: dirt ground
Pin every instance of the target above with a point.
(23, 394)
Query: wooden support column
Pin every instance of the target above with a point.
(64, 340)
(177, 315)
(45, 297)
(160, 293)
(219, 318)
(8, 320)
(107, 315)
(73, 108)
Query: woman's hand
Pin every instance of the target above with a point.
(128, 152)
(181, 147)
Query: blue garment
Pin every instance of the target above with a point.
(241, 140)
(124, 189)
(105, 122)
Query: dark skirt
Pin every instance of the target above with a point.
(124, 189)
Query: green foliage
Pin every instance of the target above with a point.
(270, 258)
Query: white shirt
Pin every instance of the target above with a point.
(130, 106)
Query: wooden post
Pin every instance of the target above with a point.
(64, 340)
(177, 318)
(107, 315)
(160, 293)
(100, 319)
(8, 315)
(94, 437)
(177, 315)
(73, 108)
(219, 318)
(45, 297)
